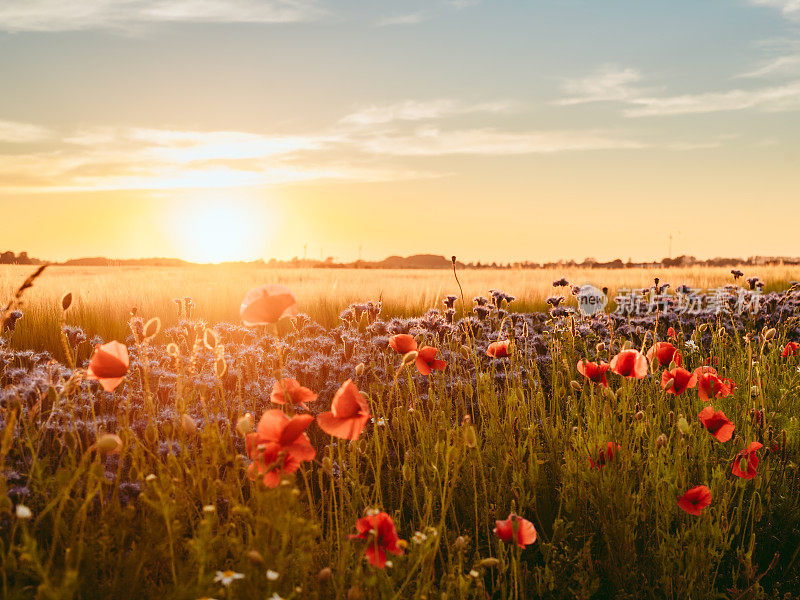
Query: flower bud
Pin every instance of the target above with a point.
(108, 443)
(66, 301)
(151, 328)
(360, 369)
(324, 575)
(470, 437)
(770, 334)
(188, 424)
(575, 385)
(600, 347)
(661, 441)
(465, 352)
(410, 357)
(245, 424)
(489, 562)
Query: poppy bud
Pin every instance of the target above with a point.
(410, 357)
(324, 575)
(465, 352)
(575, 430)
(627, 345)
(610, 394)
(770, 334)
(220, 367)
(360, 369)
(327, 465)
(66, 301)
(470, 437)
(407, 472)
(461, 543)
(151, 328)
(754, 391)
(639, 416)
(489, 562)
(683, 425)
(353, 593)
(210, 339)
(575, 385)
(108, 443)
(245, 424)
(600, 347)
(466, 420)
(173, 350)
(188, 424)
(661, 441)
(669, 384)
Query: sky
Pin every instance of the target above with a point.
(495, 130)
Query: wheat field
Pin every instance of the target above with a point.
(104, 296)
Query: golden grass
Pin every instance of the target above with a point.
(103, 296)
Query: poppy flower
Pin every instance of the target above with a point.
(751, 461)
(278, 446)
(604, 456)
(629, 363)
(349, 413)
(671, 333)
(268, 304)
(710, 385)
(681, 379)
(381, 534)
(402, 343)
(109, 365)
(717, 423)
(525, 531)
(427, 361)
(790, 349)
(664, 353)
(498, 349)
(695, 500)
(595, 372)
(289, 391)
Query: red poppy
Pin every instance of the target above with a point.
(402, 343)
(498, 349)
(278, 446)
(695, 500)
(671, 333)
(525, 531)
(349, 413)
(790, 349)
(629, 363)
(710, 385)
(427, 361)
(381, 534)
(604, 455)
(682, 380)
(290, 391)
(751, 461)
(717, 423)
(109, 365)
(664, 353)
(268, 304)
(594, 371)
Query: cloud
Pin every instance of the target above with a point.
(491, 142)
(609, 83)
(75, 15)
(615, 84)
(790, 8)
(20, 133)
(414, 110)
(780, 65)
(408, 19)
(768, 99)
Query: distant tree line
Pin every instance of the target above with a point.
(417, 261)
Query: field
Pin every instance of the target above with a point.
(186, 462)
(103, 296)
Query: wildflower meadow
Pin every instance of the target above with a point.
(477, 447)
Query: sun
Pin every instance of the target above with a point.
(218, 231)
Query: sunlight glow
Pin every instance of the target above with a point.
(218, 231)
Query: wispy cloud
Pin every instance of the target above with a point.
(20, 133)
(777, 66)
(790, 8)
(406, 19)
(73, 15)
(415, 110)
(609, 83)
(615, 84)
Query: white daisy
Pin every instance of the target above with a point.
(227, 577)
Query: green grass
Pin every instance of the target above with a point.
(610, 532)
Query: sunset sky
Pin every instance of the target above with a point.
(496, 130)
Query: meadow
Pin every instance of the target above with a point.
(501, 446)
